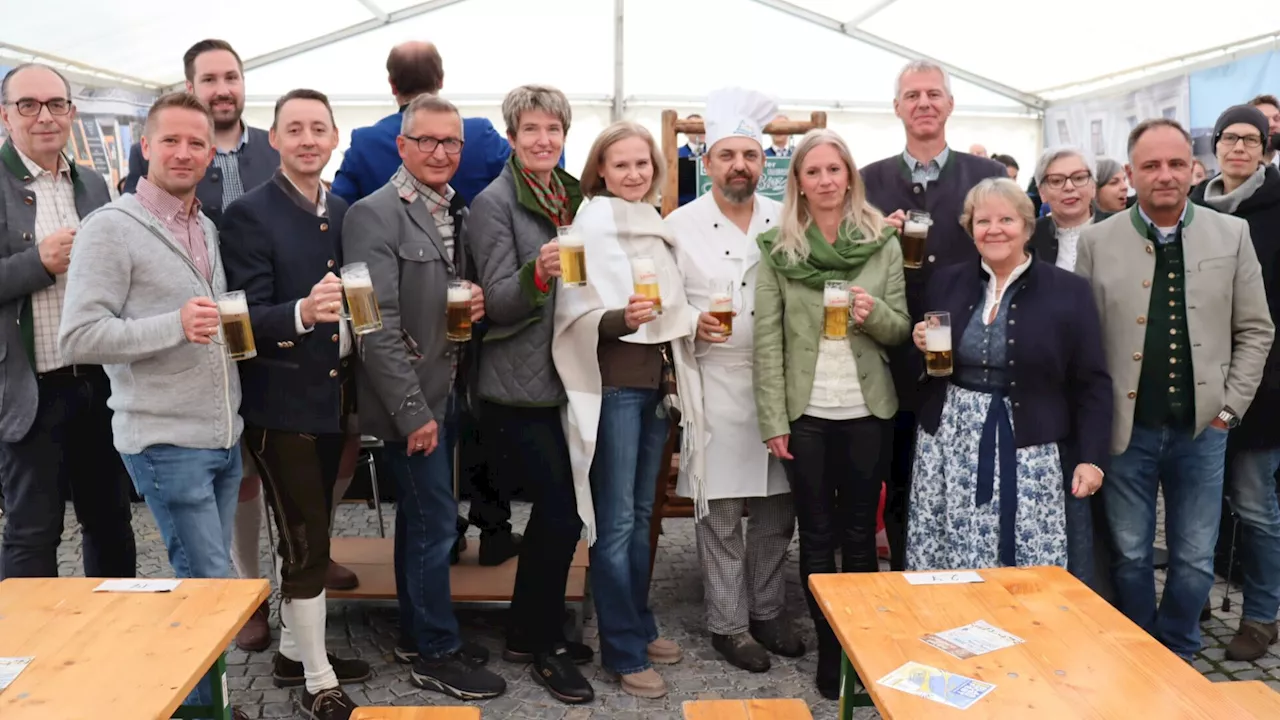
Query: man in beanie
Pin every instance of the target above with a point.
(1249, 188)
(1186, 331)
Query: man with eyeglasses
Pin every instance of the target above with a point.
(1186, 331)
(1249, 188)
(55, 427)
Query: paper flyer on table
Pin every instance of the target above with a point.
(942, 578)
(940, 686)
(11, 668)
(138, 586)
(972, 640)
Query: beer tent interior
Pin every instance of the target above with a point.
(633, 58)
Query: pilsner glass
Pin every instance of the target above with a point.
(458, 328)
(937, 343)
(722, 305)
(573, 258)
(362, 304)
(644, 274)
(835, 310)
(915, 230)
(237, 332)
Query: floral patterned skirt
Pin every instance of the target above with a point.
(947, 529)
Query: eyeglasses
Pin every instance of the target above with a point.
(428, 144)
(1229, 140)
(30, 107)
(1079, 179)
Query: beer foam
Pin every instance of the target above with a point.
(912, 227)
(571, 240)
(643, 270)
(721, 302)
(937, 339)
(832, 297)
(357, 282)
(459, 294)
(233, 306)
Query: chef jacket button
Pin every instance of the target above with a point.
(715, 225)
(753, 313)
(726, 252)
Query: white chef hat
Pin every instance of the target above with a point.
(738, 112)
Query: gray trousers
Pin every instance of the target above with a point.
(743, 581)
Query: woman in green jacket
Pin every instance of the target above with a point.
(829, 299)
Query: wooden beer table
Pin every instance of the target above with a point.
(1081, 657)
(419, 713)
(1252, 695)
(119, 656)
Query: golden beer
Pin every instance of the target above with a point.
(362, 305)
(458, 312)
(835, 310)
(573, 260)
(937, 344)
(237, 331)
(722, 311)
(914, 235)
(644, 273)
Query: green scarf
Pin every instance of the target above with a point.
(841, 260)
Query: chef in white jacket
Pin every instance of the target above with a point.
(715, 238)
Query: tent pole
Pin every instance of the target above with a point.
(618, 59)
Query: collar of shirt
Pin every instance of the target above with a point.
(1161, 237)
(160, 203)
(319, 205)
(64, 168)
(936, 164)
(244, 140)
(994, 295)
(410, 189)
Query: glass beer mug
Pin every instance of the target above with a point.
(915, 231)
(644, 275)
(573, 258)
(937, 343)
(362, 304)
(722, 305)
(458, 311)
(835, 310)
(237, 332)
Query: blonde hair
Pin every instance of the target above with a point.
(795, 208)
(593, 183)
(1006, 190)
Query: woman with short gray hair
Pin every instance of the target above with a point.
(1065, 178)
(1113, 188)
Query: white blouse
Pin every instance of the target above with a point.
(994, 296)
(837, 393)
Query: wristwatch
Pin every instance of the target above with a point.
(1229, 418)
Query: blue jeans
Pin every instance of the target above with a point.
(192, 495)
(633, 431)
(426, 528)
(1252, 492)
(1190, 471)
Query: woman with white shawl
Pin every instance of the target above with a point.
(617, 353)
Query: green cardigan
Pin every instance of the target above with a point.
(788, 328)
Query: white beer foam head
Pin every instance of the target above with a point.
(233, 306)
(835, 297)
(721, 301)
(572, 240)
(459, 294)
(916, 228)
(643, 270)
(357, 281)
(937, 339)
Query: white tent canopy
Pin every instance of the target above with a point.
(837, 55)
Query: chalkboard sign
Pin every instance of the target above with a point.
(773, 181)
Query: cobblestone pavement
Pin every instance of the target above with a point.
(369, 631)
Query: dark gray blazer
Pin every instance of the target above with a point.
(22, 273)
(403, 378)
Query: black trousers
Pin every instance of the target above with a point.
(537, 457)
(898, 488)
(835, 484)
(67, 455)
(490, 500)
(298, 473)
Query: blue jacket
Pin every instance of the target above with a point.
(373, 158)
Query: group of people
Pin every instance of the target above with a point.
(1074, 364)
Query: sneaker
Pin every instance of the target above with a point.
(778, 636)
(580, 654)
(557, 672)
(644, 684)
(1251, 641)
(742, 651)
(665, 652)
(289, 673)
(255, 636)
(331, 704)
(475, 653)
(455, 676)
(499, 547)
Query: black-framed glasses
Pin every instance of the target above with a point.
(30, 107)
(1078, 179)
(428, 144)
(1229, 140)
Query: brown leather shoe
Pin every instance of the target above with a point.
(255, 636)
(338, 577)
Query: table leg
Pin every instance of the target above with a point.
(852, 691)
(221, 707)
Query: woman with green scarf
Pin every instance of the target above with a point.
(824, 394)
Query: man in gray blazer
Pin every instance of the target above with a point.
(55, 428)
(1186, 329)
(409, 234)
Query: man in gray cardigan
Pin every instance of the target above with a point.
(1186, 332)
(55, 428)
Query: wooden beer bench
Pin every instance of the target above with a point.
(746, 710)
(416, 713)
(472, 585)
(1252, 695)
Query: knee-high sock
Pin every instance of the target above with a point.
(304, 622)
(244, 539)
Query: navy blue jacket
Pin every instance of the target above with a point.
(276, 251)
(257, 161)
(373, 158)
(1059, 384)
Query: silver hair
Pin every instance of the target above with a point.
(427, 102)
(916, 66)
(1053, 154)
(529, 98)
(1107, 169)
